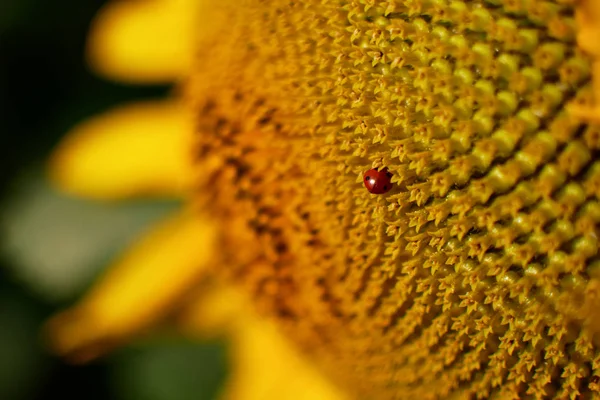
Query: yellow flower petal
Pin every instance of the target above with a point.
(139, 149)
(264, 364)
(213, 311)
(143, 41)
(138, 290)
(587, 14)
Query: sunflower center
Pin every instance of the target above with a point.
(467, 272)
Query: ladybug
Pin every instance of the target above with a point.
(378, 182)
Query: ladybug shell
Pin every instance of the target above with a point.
(378, 182)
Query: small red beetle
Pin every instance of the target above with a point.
(378, 182)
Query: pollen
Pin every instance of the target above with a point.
(477, 274)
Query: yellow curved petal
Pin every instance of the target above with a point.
(139, 149)
(264, 364)
(143, 41)
(138, 290)
(587, 15)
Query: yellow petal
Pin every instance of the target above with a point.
(135, 150)
(143, 41)
(587, 15)
(264, 364)
(138, 290)
(213, 311)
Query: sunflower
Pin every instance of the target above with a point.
(476, 275)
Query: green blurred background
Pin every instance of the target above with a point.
(53, 246)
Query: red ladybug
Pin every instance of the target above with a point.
(378, 182)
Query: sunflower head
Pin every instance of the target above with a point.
(478, 269)
(476, 275)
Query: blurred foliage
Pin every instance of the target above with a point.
(140, 371)
(38, 221)
(19, 320)
(45, 88)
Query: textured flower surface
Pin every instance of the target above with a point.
(477, 275)
(144, 150)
